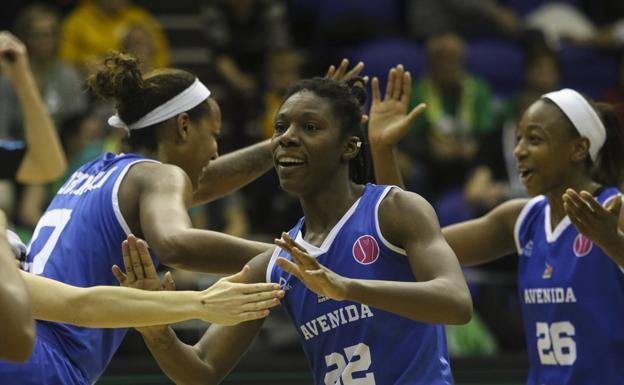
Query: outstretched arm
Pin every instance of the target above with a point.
(44, 160)
(439, 296)
(602, 225)
(218, 351)
(233, 171)
(389, 122)
(226, 302)
(18, 326)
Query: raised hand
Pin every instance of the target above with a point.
(13, 55)
(315, 276)
(342, 73)
(599, 224)
(388, 119)
(230, 300)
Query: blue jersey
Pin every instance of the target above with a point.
(76, 241)
(572, 295)
(348, 342)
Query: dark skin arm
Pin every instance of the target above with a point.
(486, 238)
(218, 351)
(18, 326)
(154, 199)
(408, 221)
(233, 171)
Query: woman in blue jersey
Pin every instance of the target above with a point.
(389, 280)
(571, 278)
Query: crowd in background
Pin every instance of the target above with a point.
(476, 63)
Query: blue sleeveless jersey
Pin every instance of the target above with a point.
(572, 295)
(76, 241)
(348, 342)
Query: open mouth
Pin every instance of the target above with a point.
(289, 162)
(525, 174)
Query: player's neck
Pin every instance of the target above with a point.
(323, 209)
(555, 196)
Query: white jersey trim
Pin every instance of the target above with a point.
(389, 245)
(316, 251)
(553, 235)
(523, 213)
(115, 197)
(271, 264)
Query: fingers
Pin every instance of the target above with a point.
(355, 71)
(125, 252)
(615, 206)
(119, 275)
(146, 259)
(260, 305)
(260, 288)
(289, 267)
(291, 249)
(407, 87)
(375, 90)
(330, 72)
(390, 83)
(398, 82)
(415, 113)
(253, 315)
(169, 283)
(241, 276)
(135, 259)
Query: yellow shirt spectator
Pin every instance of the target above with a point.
(97, 26)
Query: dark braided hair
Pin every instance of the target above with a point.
(119, 78)
(347, 100)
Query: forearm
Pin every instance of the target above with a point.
(208, 251)
(44, 160)
(108, 306)
(233, 171)
(385, 165)
(18, 327)
(179, 361)
(437, 301)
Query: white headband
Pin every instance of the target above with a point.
(182, 102)
(583, 117)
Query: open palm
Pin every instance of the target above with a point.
(389, 121)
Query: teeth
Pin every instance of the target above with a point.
(287, 159)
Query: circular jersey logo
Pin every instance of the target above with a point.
(365, 250)
(582, 245)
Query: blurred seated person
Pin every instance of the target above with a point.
(446, 138)
(97, 26)
(59, 84)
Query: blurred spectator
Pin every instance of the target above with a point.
(138, 42)
(60, 84)
(282, 68)
(97, 26)
(470, 18)
(240, 33)
(458, 113)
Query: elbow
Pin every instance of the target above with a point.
(462, 308)
(20, 343)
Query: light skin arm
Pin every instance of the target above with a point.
(165, 195)
(408, 221)
(44, 160)
(487, 238)
(233, 171)
(218, 351)
(389, 122)
(226, 302)
(602, 225)
(18, 326)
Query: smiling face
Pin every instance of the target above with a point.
(308, 148)
(548, 152)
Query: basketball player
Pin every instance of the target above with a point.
(372, 278)
(571, 283)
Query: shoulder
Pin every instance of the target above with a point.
(157, 176)
(512, 212)
(403, 214)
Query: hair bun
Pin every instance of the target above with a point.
(118, 77)
(357, 86)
